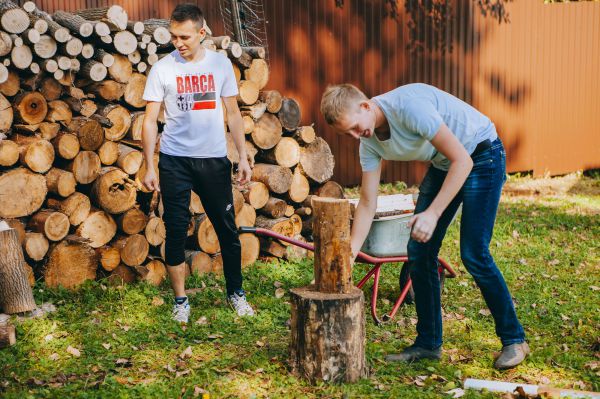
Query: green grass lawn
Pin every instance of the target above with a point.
(547, 246)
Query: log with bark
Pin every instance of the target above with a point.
(267, 132)
(60, 182)
(54, 225)
(30, 108)
(316, 161)
(132, 221)
(98, 227)
(77, 207)
(120, 119)
(112, 192)
(36, 246)
(328, 335)
(9, 153)
(132, 248)
(88, 131)
(15, 292)
(109, 257)
(66, 145)
(70, 263)
(115, 16)
(199, 262)
(154, 272)
(35, 153)
(277, 178)
(85, 167)
(289, 114)
(22, 184)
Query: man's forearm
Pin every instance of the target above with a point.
(457, 174)
(236, 127)
(363, 218)
(149, 134)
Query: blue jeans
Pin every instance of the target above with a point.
(479, 195)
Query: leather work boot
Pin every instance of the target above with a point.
(512, 355)
(415, 353)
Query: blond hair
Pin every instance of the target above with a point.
(337, 99)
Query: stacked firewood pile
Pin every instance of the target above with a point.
(71, 165)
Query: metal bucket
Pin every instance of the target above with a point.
(388, 236)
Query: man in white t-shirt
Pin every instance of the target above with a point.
(191, 82)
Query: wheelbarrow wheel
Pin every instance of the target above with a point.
(405, 274)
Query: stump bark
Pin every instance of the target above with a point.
(15, 293)
(328, 335)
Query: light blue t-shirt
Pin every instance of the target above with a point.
(415, 113)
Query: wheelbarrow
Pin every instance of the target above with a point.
(376, 256)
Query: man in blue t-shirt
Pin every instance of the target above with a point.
(418, 122)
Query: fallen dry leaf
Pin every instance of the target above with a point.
(279, 293)
(592, 365)
(181, 373)
(169, 368)
(277, 284)
(187, 353)
(545, 380)
(456, 392)
(106, 346)
(202, 321)
(73, 351)
(123, 362)
(157, 301)
(485, 312)
(54, 356)
(260, 344)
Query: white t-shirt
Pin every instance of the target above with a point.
(192, 94)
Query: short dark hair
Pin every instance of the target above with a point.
(188, 12)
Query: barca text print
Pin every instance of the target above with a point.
(196, 92)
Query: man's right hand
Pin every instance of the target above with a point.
(151, 180)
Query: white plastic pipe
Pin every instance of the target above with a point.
(499, 386)
(509, 387)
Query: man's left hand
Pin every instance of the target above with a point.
(423, 225)
(244, 172)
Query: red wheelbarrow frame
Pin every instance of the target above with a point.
(363, 258)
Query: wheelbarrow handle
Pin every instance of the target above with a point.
(246, 229)
(272, 234)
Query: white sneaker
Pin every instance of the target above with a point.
(181, 313)
(240, 305)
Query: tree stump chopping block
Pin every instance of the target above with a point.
(328, 335)
(328, 322)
